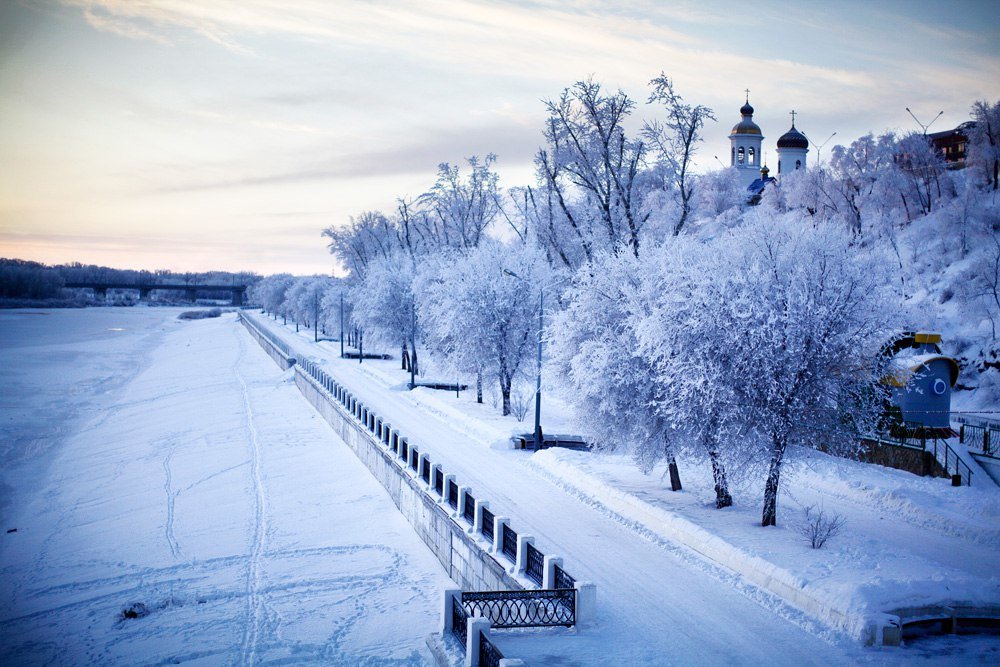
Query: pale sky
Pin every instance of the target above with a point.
(227, 134)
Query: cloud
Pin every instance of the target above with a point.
(436, 145)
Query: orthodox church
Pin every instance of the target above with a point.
(746, 139)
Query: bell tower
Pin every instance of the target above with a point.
(745, 142)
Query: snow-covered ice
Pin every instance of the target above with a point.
(170, 468)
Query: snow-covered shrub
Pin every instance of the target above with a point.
(520, 402)
(817, 527)
(200, 314)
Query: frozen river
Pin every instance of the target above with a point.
(168, 469)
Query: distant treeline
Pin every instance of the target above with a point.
(22, 279)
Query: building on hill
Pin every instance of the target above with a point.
(951, 144)
(746, 142)
(792, 149)
(756, 188)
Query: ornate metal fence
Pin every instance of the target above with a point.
(489, 654)
(982, 437)
(504, 609)
(562, 579)
(535, 567)
(487, 528)
(509, 542)
(523, 609)
(469, 508)
(459, 618)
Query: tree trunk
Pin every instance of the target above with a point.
(675, 475)
(361, 347)
(770, 515)
(722, 495)
(414, 366)
(479, 386)
(505, 393)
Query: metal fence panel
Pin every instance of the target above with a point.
(523, 609)
(535, 567)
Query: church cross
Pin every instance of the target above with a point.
(748, 95)
(793, 117)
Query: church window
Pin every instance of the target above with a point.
(740, 155)
(732, 160)
(753, 156)
(798, 164)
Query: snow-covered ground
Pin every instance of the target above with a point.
(907, 540)
(170, 464)
(169, 467)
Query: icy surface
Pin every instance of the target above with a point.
(169, 469)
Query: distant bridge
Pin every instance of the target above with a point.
(144, 289)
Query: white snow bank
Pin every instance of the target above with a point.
(908, 541)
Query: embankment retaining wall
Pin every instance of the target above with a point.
(463, 557)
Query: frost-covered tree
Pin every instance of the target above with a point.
(270, 293)
(678, 332)
(805, 313)
(369, 237)
(335, 306)
(603, 373)
(461, 209)
(923, 169)
(751, 341)
(861, 181)
(487, 320)
(383, 304)
(983, 283)
(984, 141)
(719, 192)
(676, 140)
(302, 300)
(589, 171)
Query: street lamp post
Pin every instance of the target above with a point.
(819, 147)
(538, 377)
(341, 325)
(413, 345)
(315, 317)
(922, 126)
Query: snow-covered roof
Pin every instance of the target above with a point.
(903, 367)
